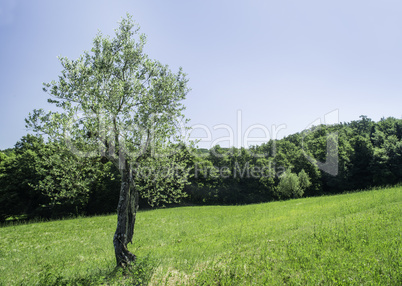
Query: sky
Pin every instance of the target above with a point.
(258, 70)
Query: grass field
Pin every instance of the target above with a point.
(350, 239)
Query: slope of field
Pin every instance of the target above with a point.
(351, 239)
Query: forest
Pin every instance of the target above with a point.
(40, 179)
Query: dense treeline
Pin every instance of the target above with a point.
(39, 179)
(46, 180)
(365, 154)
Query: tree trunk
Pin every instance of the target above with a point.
(126, 212)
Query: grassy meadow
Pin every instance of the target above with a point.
(349, 239)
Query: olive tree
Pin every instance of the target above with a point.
(115, 102)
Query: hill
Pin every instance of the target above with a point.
(348, 239)
(40, 179)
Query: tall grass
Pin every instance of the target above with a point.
(350, 239)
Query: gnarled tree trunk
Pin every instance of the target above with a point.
(126, 212)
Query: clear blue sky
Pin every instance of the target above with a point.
(281, 63)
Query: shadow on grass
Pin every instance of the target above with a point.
(138, 273)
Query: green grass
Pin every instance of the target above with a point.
(351, 239)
